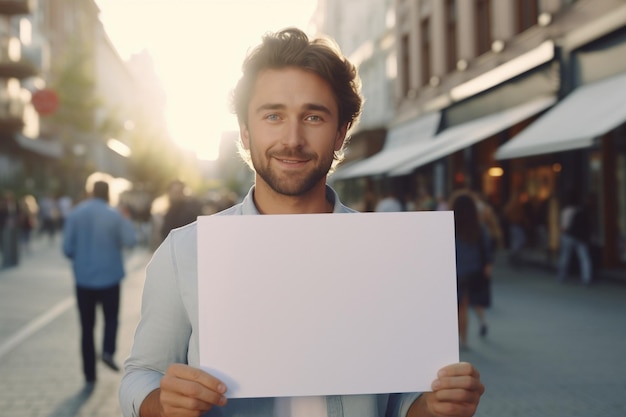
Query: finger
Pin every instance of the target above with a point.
(188, 394)
(190, 388)
(198, 375)
(457, 395)
(467, 383)
(457, 369)
(179, 405)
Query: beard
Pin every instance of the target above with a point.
(295, 183)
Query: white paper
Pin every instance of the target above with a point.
(327, 304)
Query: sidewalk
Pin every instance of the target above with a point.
(553, 350)
(539, 259)
(40, 359)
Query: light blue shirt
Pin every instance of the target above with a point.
(168, 333)
(94, 236)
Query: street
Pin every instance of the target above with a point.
(552, 349)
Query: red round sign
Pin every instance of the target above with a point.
(46, 101)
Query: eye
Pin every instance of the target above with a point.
(273, 117)
(314, 118)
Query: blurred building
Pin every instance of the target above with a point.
(69, 102)
(24, 153)
(501, 96)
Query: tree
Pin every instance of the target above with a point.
(74, 122)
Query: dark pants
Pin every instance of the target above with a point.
(87, 299)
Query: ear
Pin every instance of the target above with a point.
(245, 136)
(341, 137)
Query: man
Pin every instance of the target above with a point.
(183, 209)
(295, 103)
(575, 237)
(94, 236)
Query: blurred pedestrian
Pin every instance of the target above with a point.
(93, 239)
(575, 237)
(29, 211)
(64, 204)
(183, 208)
(389, 203)
(480, 293)
(4, 215)
(158, 208)
(10, 235)
(425, 201)
(49, 214)
(474, 261)
(442, 203)
(515, 215)
(295, 103)
(490, 221)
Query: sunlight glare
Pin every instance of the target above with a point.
(197, 47)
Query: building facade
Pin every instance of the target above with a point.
(479, 82)
(22, 151)
(68, 101)
(364, 31)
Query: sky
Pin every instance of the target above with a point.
(197, 47)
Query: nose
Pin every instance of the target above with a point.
(293, 135)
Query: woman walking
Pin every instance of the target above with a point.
(473, 259)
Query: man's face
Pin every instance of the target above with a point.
(292, 130)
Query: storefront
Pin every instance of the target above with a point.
(460, 155)
(583, 139)
(361, 183)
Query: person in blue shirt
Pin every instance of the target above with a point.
(295, 103)
(94, 236)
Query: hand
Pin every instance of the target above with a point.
(456, 393)
(185, 391)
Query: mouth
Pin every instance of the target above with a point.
(291, 161)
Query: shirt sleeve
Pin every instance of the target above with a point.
(162, 335)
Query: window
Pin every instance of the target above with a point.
(483, 26)
(405, 65)
(425, 50)
(451, 47)
(527, 12)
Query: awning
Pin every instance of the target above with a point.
(588, 112)
(403, 142)
(464, 135)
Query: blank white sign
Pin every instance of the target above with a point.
(327, 304)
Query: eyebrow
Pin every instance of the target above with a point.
(307, 106)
